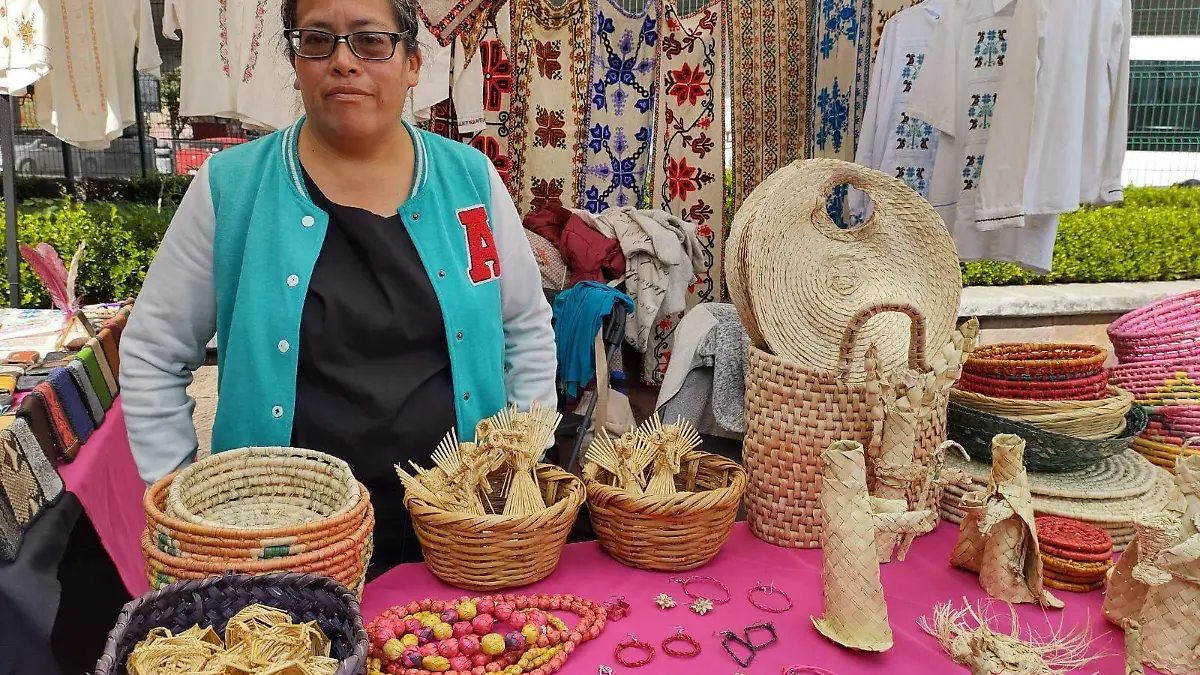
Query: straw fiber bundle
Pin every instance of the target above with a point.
(488, 552)
(255, 511)
(805, 279)
(213, 602)
(671, 533)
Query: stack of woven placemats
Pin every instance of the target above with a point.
(257, 511)
(1076, 556)
(1110, 494)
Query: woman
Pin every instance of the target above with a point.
(368, 283)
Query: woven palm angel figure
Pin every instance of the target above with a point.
(998, 537)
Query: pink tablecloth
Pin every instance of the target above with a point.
(105, 479)
(912, 588)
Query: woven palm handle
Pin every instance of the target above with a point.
(884, 191)
(916, 341)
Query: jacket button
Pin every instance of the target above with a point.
(277, 412)
(459, 335)
(467, 396)
(416, 215)
(284, 346)
(442, 274)
(292, 280)
(307, 221)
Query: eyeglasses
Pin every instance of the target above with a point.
(370, 45)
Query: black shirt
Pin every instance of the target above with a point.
(373, 384)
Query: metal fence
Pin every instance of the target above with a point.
(1166, 17)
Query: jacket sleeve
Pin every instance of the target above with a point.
(172, 323)
(530, 359)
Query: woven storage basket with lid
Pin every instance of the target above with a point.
(1162, 331)
(213, 601)
(794, 413)
(668, 534)
(803, 280)
(491, 552)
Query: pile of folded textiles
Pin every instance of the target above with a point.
(1076, 556)
(1158, 347)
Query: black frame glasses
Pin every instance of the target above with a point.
(360, 38)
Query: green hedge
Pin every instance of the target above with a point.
(1153, 236)
(122, 238)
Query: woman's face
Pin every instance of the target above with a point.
(352, 96)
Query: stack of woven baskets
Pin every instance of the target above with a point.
(1158, 347)
(1075, 556)
(1055, 396)
(256, 511)
(813, 299)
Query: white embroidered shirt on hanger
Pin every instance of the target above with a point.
(266, 92)
(891, 140)
(24, 56)
(211, 31)
(132, 26)
(78, 102)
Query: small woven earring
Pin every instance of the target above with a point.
(769, 589)
(616, 608)
(664, 601)
(767, 626)
(727, 637)
(680, 636)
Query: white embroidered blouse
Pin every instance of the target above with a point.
(24, 56)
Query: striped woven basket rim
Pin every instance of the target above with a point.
(1015, 358)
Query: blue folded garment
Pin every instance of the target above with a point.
(579, 313)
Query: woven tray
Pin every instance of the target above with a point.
(491, 552)
(212, 602)
(1102, 418)
(1124, 476)
(668, 534)
(1045, 451)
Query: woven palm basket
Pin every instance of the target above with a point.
(256, 511)
(491, 552)
(212, 602)
(793, 413)
(679, 532)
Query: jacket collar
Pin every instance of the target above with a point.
(290, 139)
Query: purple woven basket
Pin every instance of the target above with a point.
(213, 601)
(1168, 329)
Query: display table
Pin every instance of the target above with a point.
(105, 479)
(912, 588)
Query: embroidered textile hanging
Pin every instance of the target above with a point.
(551, 49)
(621, 105)
(841, 50)
(690, 154)
(492, 49)
(447, 19)
(768, 48)
(881, 12)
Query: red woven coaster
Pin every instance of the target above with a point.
(1074, 588)
(1068, 534)
(1050, 549)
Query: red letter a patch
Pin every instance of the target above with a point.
(481, 247)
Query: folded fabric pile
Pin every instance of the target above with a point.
(1076, 556)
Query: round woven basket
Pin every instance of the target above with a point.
(263, 488)
(1164, 330)
(793, 413)
(213, 601)
(1045, 451)
(1165, 382)
(1166, 454)
(668, 534)
(491, 552)
(803, 279)
(1031, 361)
(1098, 419)
(1083, 388)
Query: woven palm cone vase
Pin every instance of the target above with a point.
(998, 538)
(855, 609)
(813, 298)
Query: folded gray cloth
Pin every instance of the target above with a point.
(708, 384)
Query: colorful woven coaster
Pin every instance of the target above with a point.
(1073, 588)
(1088, 569)
(1072, 535)
(1050, 549)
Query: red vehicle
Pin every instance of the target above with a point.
(190, 155)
